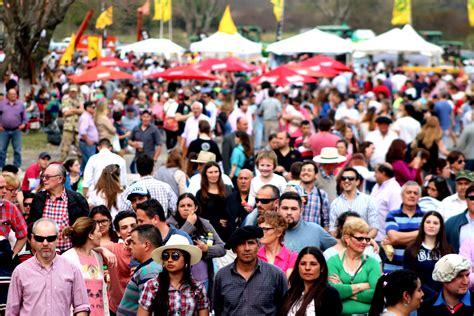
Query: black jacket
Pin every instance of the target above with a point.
(77, 206)
(427, 308)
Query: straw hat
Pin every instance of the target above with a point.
(181, 243)
(329, 155)
(204, 156)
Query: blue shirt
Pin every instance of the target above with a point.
(466, 300)
(443, 112)
(306, 234)
(238, 159)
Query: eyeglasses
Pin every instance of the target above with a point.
(263, 201)
(344, 178)
(175, 255)
(47, 177)
(47, 238)
(102, 222)
(470, 197)
(361, 239)
(266, 229)
(12, 190)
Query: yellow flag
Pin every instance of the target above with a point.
(227, 24)
(470, 11)
(278, 6)
(163, 10)
(67, 56)
(104, 19)
(401, 12)
(94, 47)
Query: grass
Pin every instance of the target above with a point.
(34, 140)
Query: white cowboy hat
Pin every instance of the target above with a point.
(329, 155)
(204, 156)
(181, 243)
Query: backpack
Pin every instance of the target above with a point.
(249, 163)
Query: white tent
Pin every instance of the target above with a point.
(220, 42)
(405, 40)
(153, 45)
(313, 41)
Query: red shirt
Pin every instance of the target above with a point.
(11, 218)
(382, 89)
(33, 172)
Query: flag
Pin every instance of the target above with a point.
(401, 12)
(227, 24)
(145, 8)
(104, 19)
(162, 10)
(67, 56)
(278, 6)
(94, 47)
(470, 11)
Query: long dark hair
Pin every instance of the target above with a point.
(441, 186)
(160, 305)
(198, 225)
(297, 284)
(103, 210)
(390, 288)
(205, 181)
(441, 247)
(396, 151)
(245, 141)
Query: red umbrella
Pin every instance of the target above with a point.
(281, 76)
(184, 73)
(306, 71)
(109, 61)
(230, 64)
(324, 62)
(100, 73)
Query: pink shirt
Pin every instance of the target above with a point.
(119, 275)
(322, 139)
(35, 290)
(285, 259)
(94, 283)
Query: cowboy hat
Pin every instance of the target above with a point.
(329, 155)
(204, 156)
(178, 242)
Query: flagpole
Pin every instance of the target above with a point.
(279, 33)
(170, 28)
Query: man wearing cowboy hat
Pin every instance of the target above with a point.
(238, 286)
(382, 138)
(328, 161)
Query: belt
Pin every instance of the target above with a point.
(10, 129)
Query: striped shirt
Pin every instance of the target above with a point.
(401, 222)
(362, 204)
(313, 209)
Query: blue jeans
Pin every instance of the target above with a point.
(87, 151)
(15, 137)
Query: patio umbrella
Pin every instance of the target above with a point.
(109, 61)
(281, 76)
(321, 62)
(306, 71)
(229, 64)
(100, 73)
(184, 73)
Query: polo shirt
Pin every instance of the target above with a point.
(150, 138)
(289, 159)
(437, 306)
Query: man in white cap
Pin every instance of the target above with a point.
(455, 298)
(328, 161)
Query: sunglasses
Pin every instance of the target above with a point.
(343, 178)
(175, 255)
(47, 238)
(470, 197)
(264, 201)
(361, 239)
(27, 204)
(460, 161)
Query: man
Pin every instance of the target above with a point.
(323, 138)
(316, 207)
(347, 112)
(31, 179)
(452, 271)
(236, 204)
(204, 142)
(351, 199)
(328, 161)
(387, 195)
(209, 106)
(382, 138)
(300, 233)
(195, 181)
(138, 194)
(144, 239)
(158, 189)
(460, 227)
(286, 156)
(266, 200)
(242, 111)
(58, 203)
(406, 126)
(444, 112)
(88, 134)
(402, 225)
(191, 128)
(98, 162)
(151, 212)
(228, 143)
(270, 109)
(248, 286)
(12, 121)
(456, 204)
(302, 142)
(47, 284)
(131, 119)
(72, 106)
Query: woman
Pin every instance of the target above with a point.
(174, 291)
(108, 190)
(172, 172)
(435, 190)
(101, 215)
(350, 138)
(73, 178)
(367, 149)
(397, 294)
(202, 233)
(13, 193)
(396, 157)
(212, 197)
(310, 293)
(367, 123)
(241, 153)
(354, 274)
(85, 236)
(441, 168)
(429, 246)
(273, 250)
(104, 125)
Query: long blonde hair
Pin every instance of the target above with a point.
(430, 132)
(101, 110)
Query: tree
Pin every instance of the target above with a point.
(29, 26)
(336, 10)
(199, 15)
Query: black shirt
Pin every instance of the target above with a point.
(184, 109)
(200, 144)
(289, 159)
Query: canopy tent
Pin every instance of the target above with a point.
(313, 41)
(281, 76)
(109, 61)
(153, 45)
(100, 73)
(184, 73)
(220, 42)
(229, 64)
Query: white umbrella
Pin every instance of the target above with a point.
(153, 45)
(227, 43)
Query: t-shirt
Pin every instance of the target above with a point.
(94, 283)
(119, 275)
(184, 109)
(209, 145)
(443, 111)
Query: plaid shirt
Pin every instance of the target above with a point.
(312, 207)
(183, 302)
(58, 212)
(11, 218)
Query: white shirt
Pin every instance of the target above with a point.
(407, 128)
(257, 183)
(195, 183)
(95, 199)
(452, 206)
(344, 112)
(191, 128)
(212, 109)
(237, 113)
(98, 162)
(467, 230)
(381, 143)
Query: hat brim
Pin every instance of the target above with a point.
(323, 160)
(464, 178)
(194, 252)
(129, 197)
(200, 161)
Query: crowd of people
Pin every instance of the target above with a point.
(350, 196)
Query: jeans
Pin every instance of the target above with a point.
(87, 151)
(15, 137)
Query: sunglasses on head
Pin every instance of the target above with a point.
(470, 197)
(264, 201)
(344, 178)
(47, 238)
(361, 239)
(175, 255)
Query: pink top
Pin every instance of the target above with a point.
(119, 274)
(322, 139)
(35, 290)
(467, 251)
(403, 172)
(284, 260)
(94, 283)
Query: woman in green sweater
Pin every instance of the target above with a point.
(352, 273)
